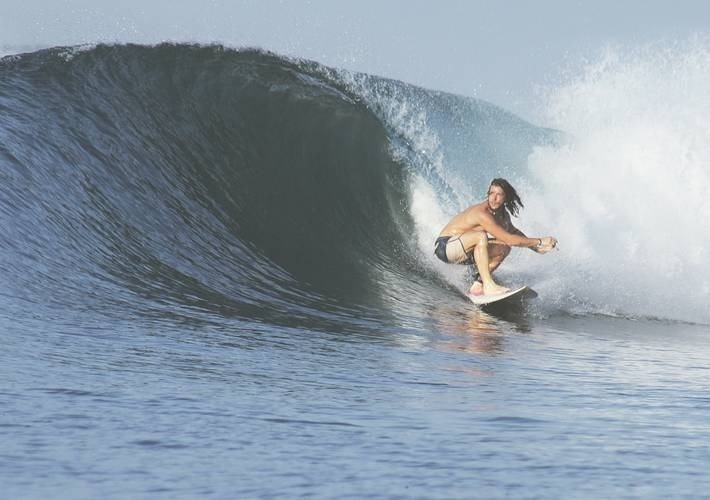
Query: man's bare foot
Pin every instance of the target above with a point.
(476, 289)
(494, 289)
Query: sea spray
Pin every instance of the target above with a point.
(627, 194)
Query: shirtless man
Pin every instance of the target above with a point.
(483, 234)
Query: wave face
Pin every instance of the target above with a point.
(161, 181)
(193, 175)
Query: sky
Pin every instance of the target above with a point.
(505, 52)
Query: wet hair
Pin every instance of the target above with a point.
(512, 204)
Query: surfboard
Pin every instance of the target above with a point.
(515, 294)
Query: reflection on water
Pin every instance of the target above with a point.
(474, 330)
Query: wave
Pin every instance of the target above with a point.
(189, 174)
(157, 179)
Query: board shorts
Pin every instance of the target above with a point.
(450, 249)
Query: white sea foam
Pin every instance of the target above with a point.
(629, 195)
(430, 216)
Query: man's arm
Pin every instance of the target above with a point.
(515, 230)
(516, 238)
(545, 244)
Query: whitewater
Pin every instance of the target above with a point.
(218, 280)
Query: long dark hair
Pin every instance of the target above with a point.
(513, 203)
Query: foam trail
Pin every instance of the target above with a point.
(628, 194)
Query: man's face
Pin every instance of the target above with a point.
(496, 197)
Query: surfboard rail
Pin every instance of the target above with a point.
(515, 293)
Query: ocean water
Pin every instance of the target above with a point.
(217, 280)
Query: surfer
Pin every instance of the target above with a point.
(483, 234)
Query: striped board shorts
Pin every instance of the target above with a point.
(450, 249)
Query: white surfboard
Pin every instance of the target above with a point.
(516, 293)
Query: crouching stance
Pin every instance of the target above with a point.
(483, 234)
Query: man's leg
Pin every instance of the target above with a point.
(477, 241)
(497, 252)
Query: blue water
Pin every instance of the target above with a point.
(217, 281)
(474, 406)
